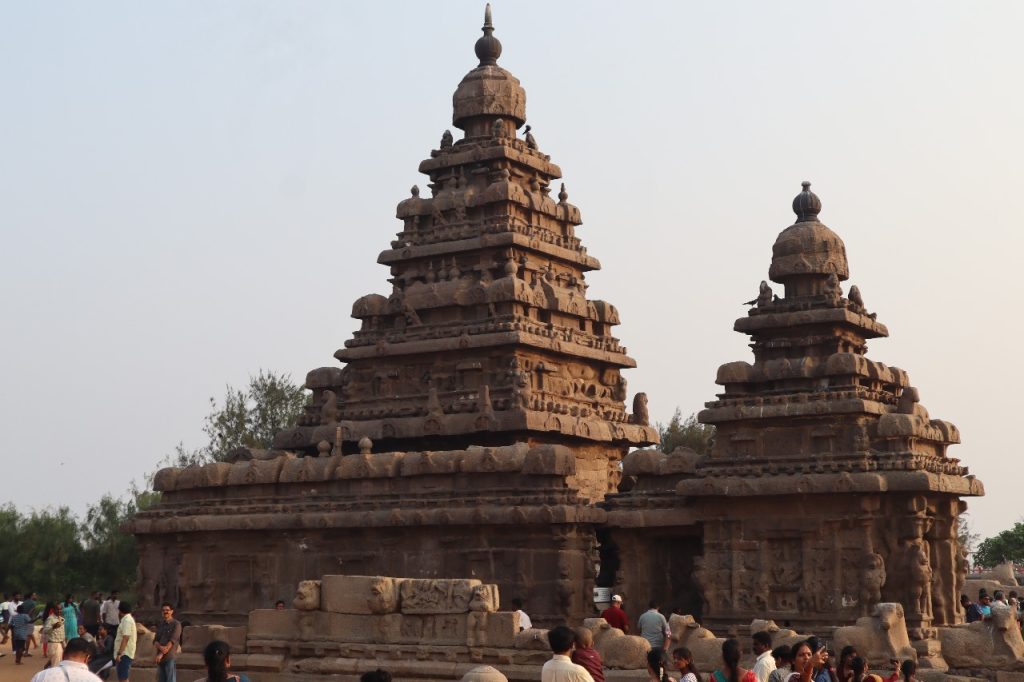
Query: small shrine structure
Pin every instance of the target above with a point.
(828, 488)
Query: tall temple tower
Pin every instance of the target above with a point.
(829, 487)
(478, 420)
(487, 337)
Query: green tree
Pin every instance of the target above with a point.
(42, 551)
(686, 433)
(109, 551)
(248, 418)
(968, 539)
(1006, 546)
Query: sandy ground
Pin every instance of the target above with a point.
(9, 672)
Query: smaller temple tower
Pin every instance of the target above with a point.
(829, 487)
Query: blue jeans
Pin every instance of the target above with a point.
(165, 671)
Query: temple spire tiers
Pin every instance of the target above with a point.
(488, 293)
(828, 487)
(841, 441)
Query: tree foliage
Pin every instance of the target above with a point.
(1006, 546)
(968, 538)
(686, 433)
(53, 552)
(248, 418)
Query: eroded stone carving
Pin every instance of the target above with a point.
(991, 644)
(618, 650)
(307, 596)
(358, 594)
(879, 637)
(437, 596)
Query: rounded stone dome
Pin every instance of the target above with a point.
(489, 90)
(484, 673)
(808, 247)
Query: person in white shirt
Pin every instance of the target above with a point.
(561, 668)
(108, 611)
(73, 668)
(765, 664)
(524, 620)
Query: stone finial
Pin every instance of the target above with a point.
(415, 191)
(447, 140)
(563, 196)
(365, 445)
(488, 48)
(806, 205)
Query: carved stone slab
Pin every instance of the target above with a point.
(437, 596)
(360, 594)
(485, 598)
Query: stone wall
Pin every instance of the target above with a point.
(230, 538)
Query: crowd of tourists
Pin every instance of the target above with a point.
(982, 609)
(84, 641)
(574, 658)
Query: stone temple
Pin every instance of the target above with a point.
(478, 419)
(477, 428)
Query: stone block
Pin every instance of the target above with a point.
(434, 629)
(194, 638)
(273, 624)
(437, 596)
(257, 662)
(360, 594)
(362, 629)
(535, 639)
(492, 629)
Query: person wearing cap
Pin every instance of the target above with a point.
(615, 616)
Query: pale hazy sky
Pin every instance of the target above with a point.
(190, 191)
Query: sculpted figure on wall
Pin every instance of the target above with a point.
(962, 567)
(484, 599)
(872, 581)
(920, 575)
(640, 413)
